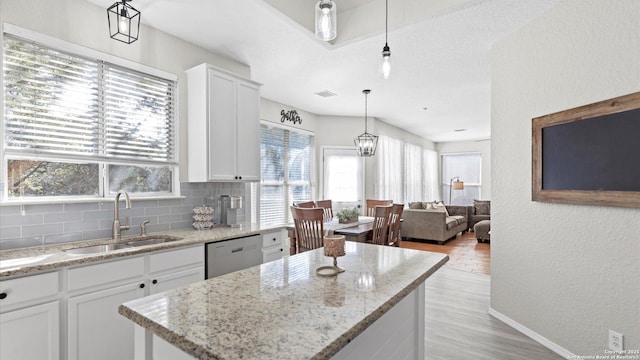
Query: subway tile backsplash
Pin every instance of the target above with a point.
(62, 223)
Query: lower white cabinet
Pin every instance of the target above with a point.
(32, 333)
(95, 329)
(273, 245)
(30, 317)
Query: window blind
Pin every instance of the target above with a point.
(285, 172)
(66, 105)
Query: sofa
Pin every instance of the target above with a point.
(481, 210)
(436, 224)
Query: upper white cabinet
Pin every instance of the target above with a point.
(224, 126)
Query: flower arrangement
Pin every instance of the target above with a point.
(348, 215)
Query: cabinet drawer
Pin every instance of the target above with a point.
(271, 239)
(28, 289)
(96, 275)
(176, 258)
(272, 254)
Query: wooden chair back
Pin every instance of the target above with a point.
(304, 204)
(327, 207)
(371, 206)
(381, 225)
(394, 224)
(309, 225)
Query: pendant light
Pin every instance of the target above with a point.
(326, 20)
(386, 52)
(366, 143)
(124, 22)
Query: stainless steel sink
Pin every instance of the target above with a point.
(96, 249)
(152, 240)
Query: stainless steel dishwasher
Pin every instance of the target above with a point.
(232, 255)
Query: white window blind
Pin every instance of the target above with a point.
(65, 113)
(285, 169)
(467, 166)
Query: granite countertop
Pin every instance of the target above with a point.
(50, 257)
(282, 309)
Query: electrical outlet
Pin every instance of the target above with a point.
(616, 341)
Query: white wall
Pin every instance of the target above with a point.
(566, 272)
(484, 148)
(83, 23)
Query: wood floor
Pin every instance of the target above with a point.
(465, 253)
(458, 326)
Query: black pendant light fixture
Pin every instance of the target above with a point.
(386, 52)
(366, 143)
(326, 20)
(124, 22)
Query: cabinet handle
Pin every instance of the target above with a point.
(155, 281)
(240, 177)
(274, 239)
(236, 250)
(280, 250)
(3, 296)
(141, 286)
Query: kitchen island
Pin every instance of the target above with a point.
(282, 309)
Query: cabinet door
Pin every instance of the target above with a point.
(176, 279)
(248, 122)
(95, 329)
(222, 127)
(32, 333)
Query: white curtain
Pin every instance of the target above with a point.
(430, 184)
(413, 173)
(390, 169)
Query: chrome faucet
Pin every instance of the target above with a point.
(117, 228)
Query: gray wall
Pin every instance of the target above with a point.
(42, 224)
(569, 273)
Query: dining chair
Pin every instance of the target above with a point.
(327, 207)
(304, 204)
(381, 225)
(371, 206)
(309, 225)
(394, 225)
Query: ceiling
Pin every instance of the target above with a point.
(440, 50)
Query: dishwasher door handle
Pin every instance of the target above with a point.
(236, 250)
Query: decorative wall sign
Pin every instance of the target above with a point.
(291, 115)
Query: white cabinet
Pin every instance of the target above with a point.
(30, 318)
(273, 245)
(95, 329)
(223, 126)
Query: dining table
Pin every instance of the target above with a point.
(357, 231)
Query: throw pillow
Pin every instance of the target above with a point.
(482, 207)
(416, 205)
(440, 205)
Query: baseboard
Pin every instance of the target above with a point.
(533, 335)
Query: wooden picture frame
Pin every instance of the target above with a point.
(617, 118)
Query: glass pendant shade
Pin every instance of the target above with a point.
(326, 20)
(385, 67)
(124, 22)
(366, 144)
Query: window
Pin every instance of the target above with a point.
(467, 166)
(406, 172)
(78, 127)
(285, 172)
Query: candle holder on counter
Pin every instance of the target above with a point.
(334, 247)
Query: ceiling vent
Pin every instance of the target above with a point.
(326, 93)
